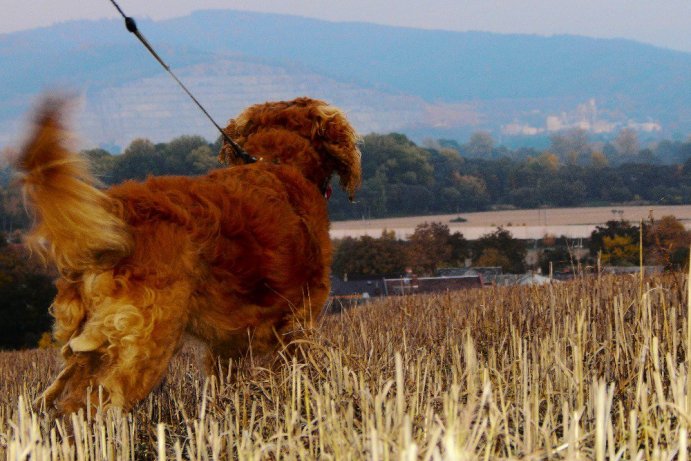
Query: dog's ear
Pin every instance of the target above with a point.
(339, 142)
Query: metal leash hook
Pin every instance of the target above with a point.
(131, 26)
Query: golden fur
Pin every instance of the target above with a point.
(238, 258)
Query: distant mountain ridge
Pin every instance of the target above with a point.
(420, 82)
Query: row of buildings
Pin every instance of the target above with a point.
(345, 293)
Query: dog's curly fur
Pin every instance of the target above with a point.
(238, 258)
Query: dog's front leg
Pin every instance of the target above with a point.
(58, 385)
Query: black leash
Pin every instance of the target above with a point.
(132, 27)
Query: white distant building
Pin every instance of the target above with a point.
(585, 117)
(553, 123)
(647, 127)
(516, 129)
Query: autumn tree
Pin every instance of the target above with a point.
(668, 243)
(620, 250)
(598, 160)
(548, 161)
(429, 247)
(500, 248)
(612, 229)
(492, 257)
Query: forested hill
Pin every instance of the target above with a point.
(418, 82)
(402, 178)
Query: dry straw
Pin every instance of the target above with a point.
(591, 369)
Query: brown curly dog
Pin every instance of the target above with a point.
(238, 258)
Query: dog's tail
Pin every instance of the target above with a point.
(77, 226)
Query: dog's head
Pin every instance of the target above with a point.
(305, 133)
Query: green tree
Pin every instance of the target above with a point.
(558, 256)
(365, 257)
(187, 155)
(561, 191)
(101, 164)
(398, 176)
(472, 192)
(668, 243)
(139, 160)
(202, 159)
(397, 158)
(460, 250)
(571, 145)
(481, 144)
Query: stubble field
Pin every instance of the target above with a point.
(595, 368)
(523, 224)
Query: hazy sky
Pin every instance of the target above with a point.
(660, 22)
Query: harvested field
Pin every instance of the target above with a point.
(590, 369)
(524, 224)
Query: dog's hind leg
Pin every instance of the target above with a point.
(265, 332)
(126, 345)
(242, 346)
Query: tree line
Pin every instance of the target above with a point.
(401, 178)
(431, 247)
(664, 243)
